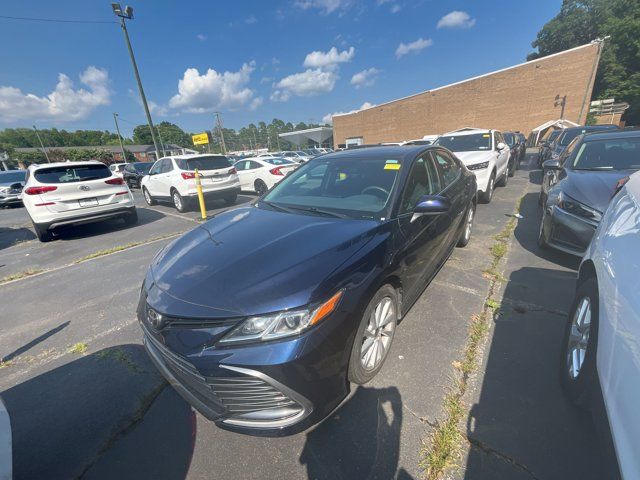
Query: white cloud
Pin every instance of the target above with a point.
(250, 20)
(304, 84)
(160, 110)
(456, 19)
(212, 90)
(64, 103)
(413, 47)
(330, 59)
(328, 118)
(202, 37)
(325, 6)
(365, 78)
(255, 103)
(395, 8)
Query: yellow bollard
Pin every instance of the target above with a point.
(203, 207)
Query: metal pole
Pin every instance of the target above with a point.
(41, 144)
(124, 155)
(224, 146)
(164, 153)
(142, 96)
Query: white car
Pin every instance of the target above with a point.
(260, 174)
(298, 156)
(485, 153)
(173, 179)
(117, 168)
(72, 193)
(601, 347)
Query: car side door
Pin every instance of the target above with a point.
(243, 174)
(502, 155)
(152, 183)
(420, 236)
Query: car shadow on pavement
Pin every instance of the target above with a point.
(11, 236)
(360, 440)
(82, 419)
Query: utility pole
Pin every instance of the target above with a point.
(164, 153)
(42, 144)
(219, 123)
(124, 155)
(128, 14)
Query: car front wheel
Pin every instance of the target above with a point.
(487, 195)
(467, 226)
(179, 202)
(148, 198)
(374, 336)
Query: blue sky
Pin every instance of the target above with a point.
(297, 60)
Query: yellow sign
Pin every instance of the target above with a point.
(200, 138)
(392, 166)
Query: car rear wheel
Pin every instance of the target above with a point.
(505, 177)
(512, 168)
(374, 336)
(179, 202)
(467, 226)
(542, 242)
(486, 196)
(260, 187)
(43, 233)
(578, 358)
(148, 198)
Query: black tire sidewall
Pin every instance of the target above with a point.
(356, 372)
(149, 200)
(578, 390)
(462, 241)
(183, 203)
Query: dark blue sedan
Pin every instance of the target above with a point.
(263, 316)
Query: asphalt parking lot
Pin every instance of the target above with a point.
(106, 413)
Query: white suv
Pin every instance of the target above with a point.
(173, 179)
(71, 193)
(484, 152)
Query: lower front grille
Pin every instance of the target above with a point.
(248, 394)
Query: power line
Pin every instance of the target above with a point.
(53, 20)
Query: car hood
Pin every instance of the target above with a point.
(251, 260)
(471, 158)
(593, 188)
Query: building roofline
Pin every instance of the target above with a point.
(473, 78)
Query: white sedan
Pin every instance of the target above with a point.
(600, 367)
(260, 174)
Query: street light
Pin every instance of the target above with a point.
(127, 13)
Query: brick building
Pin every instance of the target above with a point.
(515, 98)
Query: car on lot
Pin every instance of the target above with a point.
(260, 174)
(546, 145)
(515, 148)
(173, 179)
(297, 156)
(587, 174)
(73, 193)
(568, 134)
(117, 168)
(133, 173)
(262, 316)
(600, 361)
(484, 152)
(11, 183)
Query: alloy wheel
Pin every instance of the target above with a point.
(177, 201)
(378, 334)
(147, 196)
(469, 226)
(491, 182)
(579, 337)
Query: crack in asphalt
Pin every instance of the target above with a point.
(488, 450)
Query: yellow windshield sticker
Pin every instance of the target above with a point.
(342, 176)
(392, 166)
(486, 135)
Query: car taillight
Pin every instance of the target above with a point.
(232, 171)
(40, 190)
(188, 175)
(115, 181)
(276, 171)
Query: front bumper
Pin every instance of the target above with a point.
(482, 178)
(567, 232)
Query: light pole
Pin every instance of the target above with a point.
(124, 155)
(42, 144)
(127, 13)
(560, 102)
(219, 123)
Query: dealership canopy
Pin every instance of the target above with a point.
(318, 135)
(539, 132)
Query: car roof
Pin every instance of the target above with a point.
(590, 128)
(609, 134)
(467, 131)
(402, 152)
(38, 166)
(193, 155)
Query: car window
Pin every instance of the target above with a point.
(611, 154)
(498, 138)
(167, 166)
(241, 165)
(156, 168)
(279, 161)
(253, 165)
(448, 168)
(69, 174)
(208, 162)
(12, 177)
(421, 181)
(466, 143)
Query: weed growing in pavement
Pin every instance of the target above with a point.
(119, 248)
(120, 356)
(79, 347)
(444, 447)
(19, 275)
(6, 364)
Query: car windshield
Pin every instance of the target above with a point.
(352, 187)
(142, 168)
(553, 136)
(466, 143)
(300, 152)
(509, 138)
(612, 154)
(12, 177)
(209, 162)
(71, 173)
(278, 161)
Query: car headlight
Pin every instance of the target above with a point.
(571, 205)
(478, 166)
(281, 324)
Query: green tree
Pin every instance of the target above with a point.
(581, 21)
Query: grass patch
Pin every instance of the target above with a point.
(120, 356)
(119, 248)
(442, 451)
(79, 348)
(19, 275)
(6, 364)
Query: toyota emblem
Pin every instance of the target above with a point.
(85, 188)
(155, 319)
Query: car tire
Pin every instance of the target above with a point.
(485, 197)
(579, 345)
(43, 233)
(260, 187)
(513, 166)
(148, 198)
(504, 179)
(131, 219)
(467, 226)
(542, 243)
(231, 199)
(179, 201)
(378, 336)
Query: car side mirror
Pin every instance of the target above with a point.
(552, 164)
(501, 145)
(431, 205)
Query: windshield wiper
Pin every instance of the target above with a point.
(319, 211)
(276, 207)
